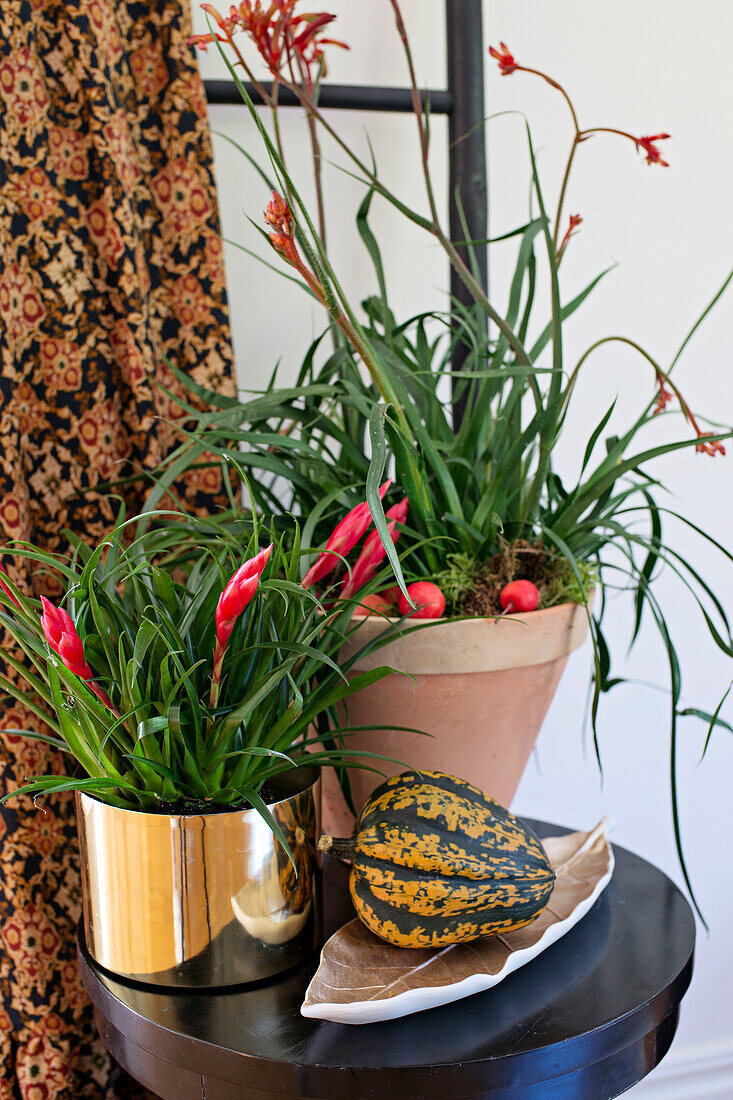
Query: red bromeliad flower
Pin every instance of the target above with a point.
(373, 552)
(61, 635)
(647, 144)
(232, 602)
(343, 538)
(507, 64)
(237, 594)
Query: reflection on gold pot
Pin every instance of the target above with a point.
(202, 899)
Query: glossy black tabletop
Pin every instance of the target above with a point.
(584, 1021)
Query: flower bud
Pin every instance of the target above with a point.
(373, 552)
(61, 635)
(343, 538)
(237, 594)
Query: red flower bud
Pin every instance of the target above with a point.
(373, 552)
(664, 397)
(574, 222)
(343, 538)
(232, 602)
(61, 635)
(71, 652)
(237, 594)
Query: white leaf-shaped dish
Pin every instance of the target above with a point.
(362, 979)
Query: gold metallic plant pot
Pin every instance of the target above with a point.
(202, 899)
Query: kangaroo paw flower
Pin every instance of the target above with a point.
(648, 145)
(507, 64)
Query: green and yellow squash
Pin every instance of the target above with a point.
(435, 861)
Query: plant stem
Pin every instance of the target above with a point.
(459, 266)
(563, 189)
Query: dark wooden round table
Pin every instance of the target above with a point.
(585, 1020)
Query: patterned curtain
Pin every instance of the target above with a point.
(110, 262)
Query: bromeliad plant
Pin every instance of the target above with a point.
(483, 491)
(179, 676)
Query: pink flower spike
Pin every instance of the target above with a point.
(237, 594)
(343, 538)
(61, 635)
(232, 602)
(398, 512)
(373, 553)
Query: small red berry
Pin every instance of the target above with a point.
(375, 601)
(428, 599)
(519, 596)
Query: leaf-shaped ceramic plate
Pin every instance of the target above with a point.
(362, 979)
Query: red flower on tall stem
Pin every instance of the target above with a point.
(279, 217)
(653, 155)
(507, 64)
(226, 25)
(664, 397)
(667, 390)
(281, 35)
(707, 446)
(575, 221)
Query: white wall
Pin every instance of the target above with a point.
(661, 65)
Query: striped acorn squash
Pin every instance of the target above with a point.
(435, 861)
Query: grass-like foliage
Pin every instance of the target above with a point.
(133, 689)
(384, 399)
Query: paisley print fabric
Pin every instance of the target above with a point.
(110, 263)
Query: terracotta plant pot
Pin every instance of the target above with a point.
(480, 687)
(202, 900)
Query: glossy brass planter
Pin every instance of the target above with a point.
(202, 900)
